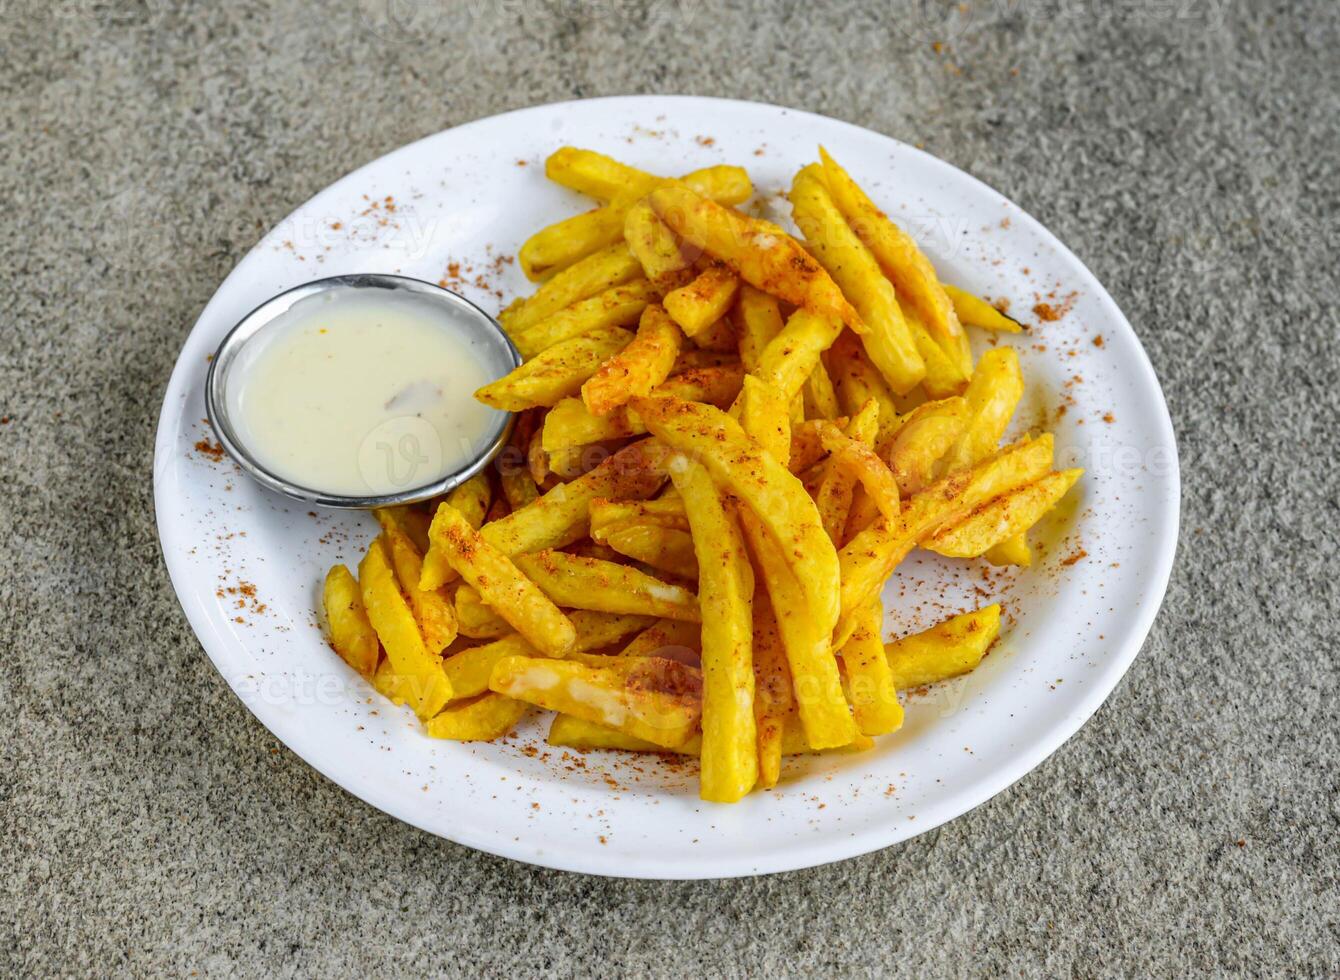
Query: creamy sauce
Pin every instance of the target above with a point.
(360, 392)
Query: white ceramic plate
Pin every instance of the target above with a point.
(247, 565)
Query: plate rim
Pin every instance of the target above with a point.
(804, 854)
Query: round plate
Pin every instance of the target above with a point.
(247, 564)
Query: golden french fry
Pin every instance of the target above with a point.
(1011, 551)
(820, 397)
(902, 261)
(560, 517)
(868, 559)
(858, 458)
(500, 585)
(759, 319)
(476, 620)
(469, 670)
(835, 494)
(668, 638)
(763, 414)
(351, 632)
(774, 698)
(757, 251)
(483, 719)
(791, 356)
(570, 423)
(944, 377)
(565, 242)
(857, 381)
(662, 548)
(555, 374)
(954, 647)
(657, 249)
(471, 498)
(921, 440)
(979, 313)
(766, 487)
(703, 302)
(806, 640)
(887, 338)
(432, 609)
(660, 701)
(618, 306)
(807, 448)
(613, 514)
(594, 174)
(718, 337)
(1003, 518)
(568, 731)
(874, 698)
(425, 686)
(726, 585)
(576, 582)
(514, 479)
(592, 276)
(639, 367)
(995, 390)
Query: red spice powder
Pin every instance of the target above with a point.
(210, 450)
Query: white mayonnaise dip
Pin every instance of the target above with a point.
(362, 392)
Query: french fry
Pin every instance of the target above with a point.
(613, 514)
(594, 174)
(656, 248)
(638, 368)
(476, 620)
(576, 582)
(500, 585)
(518, 486)
(979, 313)
(596, 274)
(943, 376)
(757, 251)
(921, 440)
(565, 242)
(567, 731)
(774, 698)
(870, 685)
(857, 381)
(471, 498)
(618, 306)
(695, 358)
(992, 396)
(432, 609)
(1011, 551)
(351, 632)
(807, 448)
(766, 487)
(820, 398)
(726, 584)
(469, 669)
(806, 640)
(426, 688)
(560, 517)
(887, 338)
(834, 497)
(557, 373)
(790, 356)
(954, 647)
(763, 414)
(660, 702)
(858, 458)
(1003, 518)
(663, 548)
(570, 423)
(902, 261)
(718, 337)
(704, 301)
(483, 719)
(868, 559)
(759, 319)
(668, 638)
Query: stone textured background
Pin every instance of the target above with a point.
(1186, 150)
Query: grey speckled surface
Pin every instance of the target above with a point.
(1186, 150)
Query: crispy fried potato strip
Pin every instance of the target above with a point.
(637, 369)
(954, 647)
(482, 719)
(557, 373)
(981, 314)
(577, 582)
(351, 632)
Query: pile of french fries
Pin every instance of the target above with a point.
(729, 438)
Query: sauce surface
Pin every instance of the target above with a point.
(360, 392)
